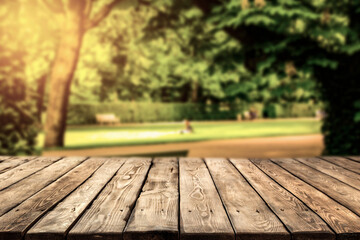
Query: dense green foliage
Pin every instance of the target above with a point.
(293, 41)
(318, 37)
(129, 57)
(140, 112)
(117, 63)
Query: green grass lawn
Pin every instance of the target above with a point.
(100, 136)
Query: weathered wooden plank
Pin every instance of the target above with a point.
(2, 158)
(298, 218)
(9, 163)
(345, 223)
(355, 158)
(202, 215)
(250, 216)
(345, 163)
(24, 170)
(155, 216)
(29, 186)
(107, 216)
(341, 192)
(57, 222)
(16, 222)
(344, 175)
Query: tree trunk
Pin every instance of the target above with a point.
(62, 73)
(40, 95)
(194, 91)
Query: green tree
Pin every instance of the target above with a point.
(182, 48)
(320, 37)
(291, 38)
(120, 57)
(76, 17)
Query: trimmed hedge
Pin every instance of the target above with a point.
(139, 112)
(290, 110)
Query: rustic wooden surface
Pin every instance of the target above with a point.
(250, 216)
(155, 215)
(188, 198)
(296, 216)
(202, 215)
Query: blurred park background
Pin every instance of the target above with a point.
(255, 78)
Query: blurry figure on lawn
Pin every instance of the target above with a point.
(253, 114)
(188, 128)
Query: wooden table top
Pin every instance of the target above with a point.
(186, 198)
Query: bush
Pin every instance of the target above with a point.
(341, 91)
(18, 131)
(18, 124)
(139, 112)
(146, 112)
(289, 110)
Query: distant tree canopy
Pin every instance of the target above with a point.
(189, 60)
(137, 67)
(293, 39)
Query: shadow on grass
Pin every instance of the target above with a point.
(183, 153)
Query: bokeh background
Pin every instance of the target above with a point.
(255, 78)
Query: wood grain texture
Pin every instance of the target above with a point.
(20, 191)
(75, 198)
(16, 222)
(24, 170)
(202, 215)
(345, 223)
(9, 163)
(355, 158)
(251, 217)
(107, 216)
(155, 216)
(2, 158)
(345, 163)
(298, 218)
(56, 223)
(343, 193)
(335, 171)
